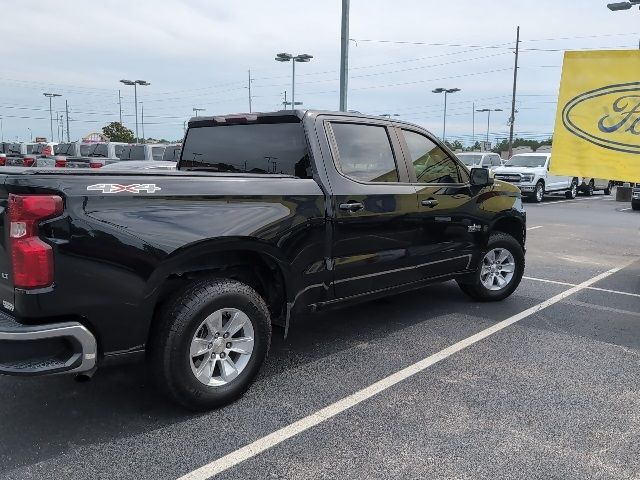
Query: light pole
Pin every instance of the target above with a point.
(30, 135)
(50, 96)
(287, 57)
(488, 110)
(446, 91)
(135, 84)
(198, 110)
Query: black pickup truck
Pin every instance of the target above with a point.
(268, 217)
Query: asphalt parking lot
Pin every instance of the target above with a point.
(543, 385)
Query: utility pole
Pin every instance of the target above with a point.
(285, 100)
(473, 127)
(344, 55)
(512, 119)
(143, 137)
(66, 107)
(119, 103)
(250, 91)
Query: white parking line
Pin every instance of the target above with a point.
(624, 209)
(535, 228)
(597, 289)
(565, 201)
(265, 443)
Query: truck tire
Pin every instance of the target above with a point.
(499, 272)
(635, 205)
(590, 189)
(608, 190)
(538, 194)
(210, 343)
(573, 190)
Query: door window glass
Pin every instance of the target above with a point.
(431, 163)
(365, 152)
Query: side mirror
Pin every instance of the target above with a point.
(481, 177)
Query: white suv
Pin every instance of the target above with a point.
(487, 160)
(530, 173)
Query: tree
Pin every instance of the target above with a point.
(118, 132)
(456, 145)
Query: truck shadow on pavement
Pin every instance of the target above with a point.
(44, 417)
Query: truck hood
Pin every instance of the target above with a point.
(507, 169)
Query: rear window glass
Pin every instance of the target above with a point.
(13, 148)
(274, 148)
(64, 149)
(98, 150)
(172, 154)
(33, 149)
(157, 152)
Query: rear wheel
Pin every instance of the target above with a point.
(210, 343)
(499, 272)
(609, 189)
(635, 205)
(573, 190)
(590, 188)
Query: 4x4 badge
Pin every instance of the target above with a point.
(117, 188)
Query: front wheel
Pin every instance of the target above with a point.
(590, 188)
(635, 205)
(608, 190)
(499, 272)
(573, 190)
(210, 343)
(538, 194)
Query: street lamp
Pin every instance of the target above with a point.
(446, 91)
(614, 7)
(287, 57)
(135, 84)
(198, 110)
(488, 110)
(50, 96)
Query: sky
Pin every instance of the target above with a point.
(197, 54)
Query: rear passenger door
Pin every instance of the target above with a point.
(373, 201)
(446, 211)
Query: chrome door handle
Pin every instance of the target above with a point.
(429, 203)
(351, 206)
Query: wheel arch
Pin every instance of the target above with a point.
(511, 225)
(253, 262)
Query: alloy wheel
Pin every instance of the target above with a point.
(497, 269)
(221, 347)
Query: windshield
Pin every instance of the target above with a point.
(470, 159)
(253, 148)
(527, 161)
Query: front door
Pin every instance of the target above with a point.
(449, 224)
(373, 232)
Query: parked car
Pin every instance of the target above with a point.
(28, 153)
(129, 152)
(488, 160)
(268, 217)
(95, 155)
(635, 196)
(172, 153)
(530, 173)
(590, 185)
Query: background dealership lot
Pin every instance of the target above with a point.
(552, 396)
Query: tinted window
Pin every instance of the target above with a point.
(172, 153)
(365, 152)
(32, 149)
(157, 152)
(431, 163)
(253, 148)
(85, 149)
(470, 159)
(14, 148)
(98, 150)
(64, 149)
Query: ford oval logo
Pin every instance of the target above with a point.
(608, 117)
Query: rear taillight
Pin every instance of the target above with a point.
(61, 162)
(28, 161)
(31, 258)
(3, 159)
(95, 164)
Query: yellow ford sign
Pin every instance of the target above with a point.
(597, 131)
